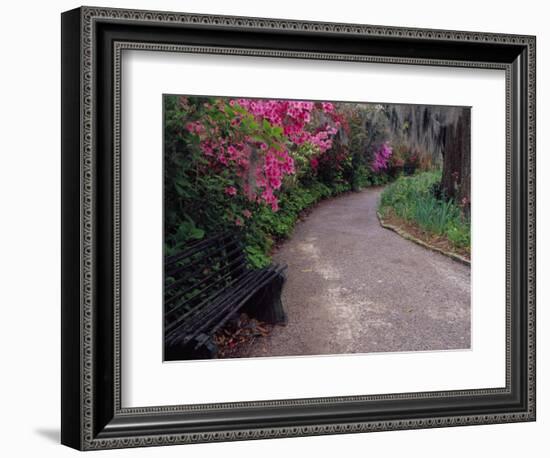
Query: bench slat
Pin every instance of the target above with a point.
(220, 251)
(238, 261)
(193, 247)
(202, 305)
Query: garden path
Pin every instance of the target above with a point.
(355, 287)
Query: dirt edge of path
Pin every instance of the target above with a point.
(403, 233)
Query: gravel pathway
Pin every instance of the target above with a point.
(355, 287)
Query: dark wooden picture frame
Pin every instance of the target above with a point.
(92, 42)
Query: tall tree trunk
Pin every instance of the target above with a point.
(455, 181)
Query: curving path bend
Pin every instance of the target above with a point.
(355, 287)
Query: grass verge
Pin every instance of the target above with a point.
(410, 205)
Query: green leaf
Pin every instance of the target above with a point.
(196, 233)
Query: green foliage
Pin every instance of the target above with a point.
(411, 198)
(188, 181)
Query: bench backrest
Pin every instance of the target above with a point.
(199, 273)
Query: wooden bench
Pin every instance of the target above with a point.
(206, 284)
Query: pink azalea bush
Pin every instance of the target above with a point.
(254, 139)
(382, 157)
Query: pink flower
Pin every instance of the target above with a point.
(382, 157)
(247, 213)
(327, 107)
(223, 159)
(239, 221)
(231, 190)
(207, 148)
(195, 127)
(314, 163)
(233, 152)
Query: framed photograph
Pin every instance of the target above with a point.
(276, 228)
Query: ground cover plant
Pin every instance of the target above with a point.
(417, 200)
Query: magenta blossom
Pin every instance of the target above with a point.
(231, 190)
(382, 157)
(195, 128)
(327, 107)
(314, 163)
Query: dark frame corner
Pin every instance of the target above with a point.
(92, 39)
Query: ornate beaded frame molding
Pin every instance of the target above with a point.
(117, 145)
(89, 15)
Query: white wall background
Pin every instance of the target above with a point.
(30, 229)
